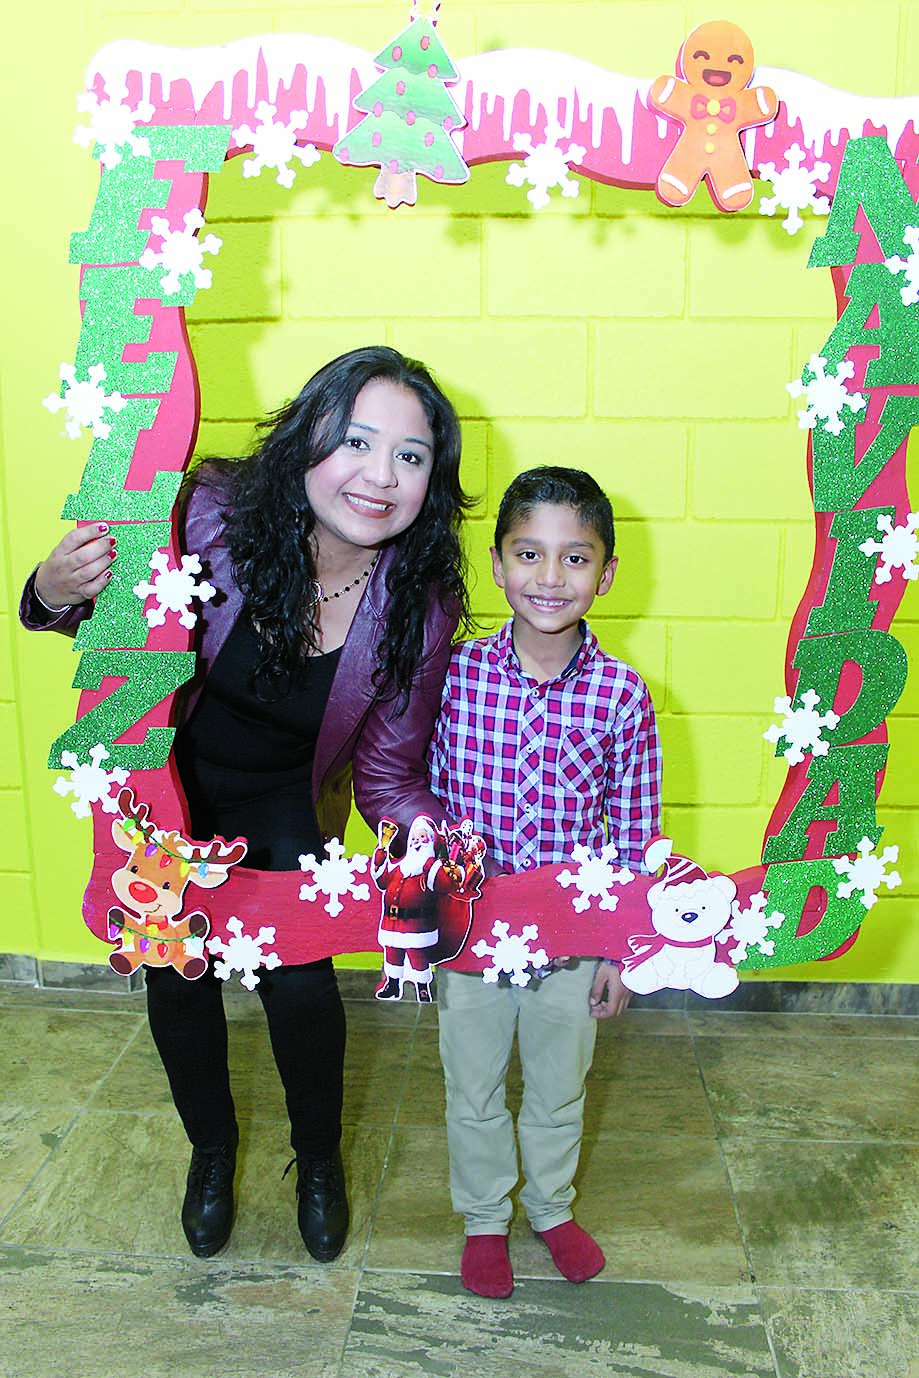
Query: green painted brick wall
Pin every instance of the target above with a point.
(649, 346)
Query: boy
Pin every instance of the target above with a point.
(543, 741)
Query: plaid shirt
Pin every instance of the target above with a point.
(541, 767)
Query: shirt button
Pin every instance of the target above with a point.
(710, 128)
(528, 864)
(709, 147)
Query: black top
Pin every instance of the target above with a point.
(246, 762)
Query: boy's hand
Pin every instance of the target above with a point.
(608, 995)
(78, 568)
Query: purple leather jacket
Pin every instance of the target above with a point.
(361, 736)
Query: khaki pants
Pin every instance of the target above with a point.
(556, 1037)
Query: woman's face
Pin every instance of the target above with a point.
(372, 487)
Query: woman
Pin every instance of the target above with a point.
(334, 548)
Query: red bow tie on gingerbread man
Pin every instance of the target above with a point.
(711, 99)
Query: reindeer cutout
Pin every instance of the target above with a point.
(151, 885)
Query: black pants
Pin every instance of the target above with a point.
(306, 1024)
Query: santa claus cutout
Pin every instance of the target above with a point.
(427, 900)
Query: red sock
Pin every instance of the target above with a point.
(576, 1256)
(486, 1267)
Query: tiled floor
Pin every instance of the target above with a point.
(753, 1179)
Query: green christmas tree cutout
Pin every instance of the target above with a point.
(409, 118)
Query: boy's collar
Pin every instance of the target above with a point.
(507, 655)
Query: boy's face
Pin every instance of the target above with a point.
(551, 567)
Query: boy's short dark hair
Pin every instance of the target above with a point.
(551, 483)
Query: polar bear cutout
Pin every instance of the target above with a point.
(689, 911)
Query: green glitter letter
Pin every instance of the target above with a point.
(118, 617)
(869, 177)
(846, 606)
(124, 191)
(788, 886)
(838, 481)
(883, 664)
(872, 286)
(132, 186)
(110, 323)
(102, 494)
(201, 147)
(853, 769)
(151, 677)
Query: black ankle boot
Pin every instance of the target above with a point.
(207, 1211)
(322, 1205)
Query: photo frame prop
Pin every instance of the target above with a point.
(164, 120)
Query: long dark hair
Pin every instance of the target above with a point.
(270, 521)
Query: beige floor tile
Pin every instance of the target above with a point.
(27, 1137)
(414, 1227)
(817, 1088)
(376, 1065)
(254, 1079)
(58, 1057)
(805, 1128)
(381, 1015)
(116, 1001)
(756, 1024)
(114, 1182)
(266, 1221)
(418, 1326)
(423, 1101)
(641, 1045)
(845, 1334)
(660, 1208)
(137, 1081)
(659, 1211)
(828, 1214)
(647, 1086)
(114, 1316)
(639, 1021)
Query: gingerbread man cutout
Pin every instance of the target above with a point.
(714, 104)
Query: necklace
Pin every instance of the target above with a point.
(327, 597)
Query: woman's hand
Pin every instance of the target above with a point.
(78, 568)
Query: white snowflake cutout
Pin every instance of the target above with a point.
(243, 953)
(181, 252)
(84, 403)
(751, 927)
(909, 294)
(274, 143)
(866, 872)
(594, 877)
(801, 727)
(826, 395)
(173, 588)
(111, 125)
(334, 877)
(511, 954)
(898, 548)
(794, 186)
(545, 166)
(89, 783)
